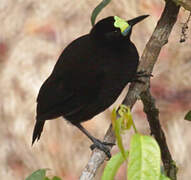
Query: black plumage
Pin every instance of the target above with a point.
(89, 76)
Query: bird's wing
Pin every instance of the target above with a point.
(68, 90)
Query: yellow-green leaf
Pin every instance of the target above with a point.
(144, 159)
(163, 177)
(113, 165)
(128, 119)
(124, 122)
(113, 117)
(56, 178)
(125, 114)
(118, 136)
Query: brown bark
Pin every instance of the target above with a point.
(186, 4)
(149, 57)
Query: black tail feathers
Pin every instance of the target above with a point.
(37, 130)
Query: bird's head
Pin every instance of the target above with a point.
(114, 28)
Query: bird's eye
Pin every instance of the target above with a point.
(113, 34)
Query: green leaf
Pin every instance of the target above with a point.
(98, 9)
(125, 113)
(118, 136)
(163, 177)
(37, 175)
(113, 117)
(117, 126)
(144, 158)
(188, 116)
(124, 122)
(56, 178)
(46, 178)
(113, 165)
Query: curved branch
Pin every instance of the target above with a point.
(149, 57)
(153, 118)
(186, 4)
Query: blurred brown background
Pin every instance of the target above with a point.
(32, 36)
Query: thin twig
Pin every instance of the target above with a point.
(183, 35)
(158, 39)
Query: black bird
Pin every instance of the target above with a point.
(89, 76)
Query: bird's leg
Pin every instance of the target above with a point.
(96, 142)
(141, 74)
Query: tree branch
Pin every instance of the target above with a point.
(150, 54)
(186, 4)
(97, 157)
(153, 118)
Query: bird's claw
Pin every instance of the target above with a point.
(140, 74)
(143, 74)
(103, 146)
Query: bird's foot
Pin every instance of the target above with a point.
(103, 146)
(140, 74)
(143, 74)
